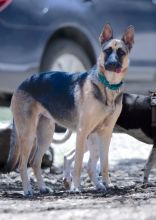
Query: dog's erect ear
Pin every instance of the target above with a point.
(128, 37)
(106, 34)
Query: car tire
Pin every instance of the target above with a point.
(65, 49)
(65, 55)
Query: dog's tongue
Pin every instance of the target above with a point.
(118, 70)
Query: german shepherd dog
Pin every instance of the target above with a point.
(84, 102)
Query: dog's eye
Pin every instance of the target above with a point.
(108, 50)
(120, 52)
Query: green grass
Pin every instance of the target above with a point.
(5, 114)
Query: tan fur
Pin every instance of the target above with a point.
(31, 125)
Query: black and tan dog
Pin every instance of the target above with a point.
(85, 102)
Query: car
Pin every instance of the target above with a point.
(37, 36)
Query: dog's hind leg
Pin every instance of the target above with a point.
(23, 108)
(68, 159)
(149, 164)
(45, 130)
(25, 142)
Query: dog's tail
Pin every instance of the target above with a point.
(14, 152)
(66, 136)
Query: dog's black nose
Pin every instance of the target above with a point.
(112, 63)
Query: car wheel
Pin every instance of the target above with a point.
(65, 55)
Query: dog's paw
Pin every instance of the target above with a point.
(108, 185)
(45, 190)
(145, 180)
(100, 186)
(66, 183)
(75, 189)
(28, 194)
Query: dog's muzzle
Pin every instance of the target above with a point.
(113, 64)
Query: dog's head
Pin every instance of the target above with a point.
(113, 60)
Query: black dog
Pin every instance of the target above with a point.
(136, 120)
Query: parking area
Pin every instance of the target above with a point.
(44, 36)
(129, 199)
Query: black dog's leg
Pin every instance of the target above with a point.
(149, 164)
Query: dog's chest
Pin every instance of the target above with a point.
(112, 101)
(105, 97)
(109, 113)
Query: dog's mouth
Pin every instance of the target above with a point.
(118, 70)
(113, 66)
(114, 69)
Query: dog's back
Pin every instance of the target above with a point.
(55, 91)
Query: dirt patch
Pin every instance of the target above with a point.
(129, 199)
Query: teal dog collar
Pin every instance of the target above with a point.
(106, 83)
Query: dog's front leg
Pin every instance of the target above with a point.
(149, 164)
(93, 143)
(105, 135)
(104, 142)
(80, 144)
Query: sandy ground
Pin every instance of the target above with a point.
(129, 199)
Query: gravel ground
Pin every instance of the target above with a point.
(129, 199)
